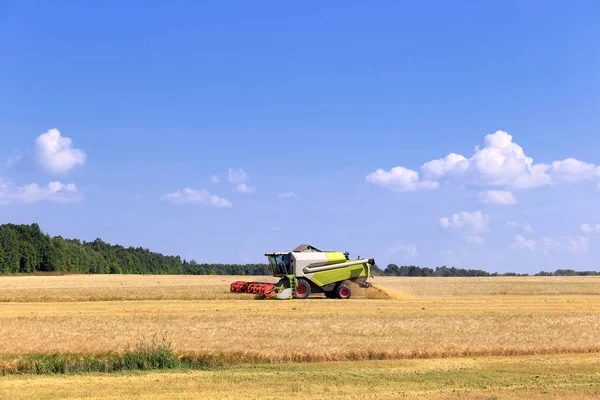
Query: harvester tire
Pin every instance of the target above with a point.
(343, 290)
(302, 290)
(331, 294)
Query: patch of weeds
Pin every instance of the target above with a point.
(152, 355)
(156, 354)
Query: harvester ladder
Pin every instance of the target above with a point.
(293, 282)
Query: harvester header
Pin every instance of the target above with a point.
(306, 270)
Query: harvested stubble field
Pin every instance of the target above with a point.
(422, 318)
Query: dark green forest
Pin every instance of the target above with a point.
(26, 249)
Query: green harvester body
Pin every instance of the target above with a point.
(307, 270)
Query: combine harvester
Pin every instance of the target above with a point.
(307, 270)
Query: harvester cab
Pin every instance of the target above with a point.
(306, 270)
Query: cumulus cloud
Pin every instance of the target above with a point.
(56, 192)
(400, 179)
(577, 244)
(237, 176)
(239, 179)
(243, 188)
(500, 163)
(201, 197)
(286, 195)
(572, 244)
(590, 228)
(572, 170)
(404, 250)
(56, 154)
(526, 228)
(500, 197)
(550, 244)
(475, 239)
(452, 164)
(523, 243)
(476, 221)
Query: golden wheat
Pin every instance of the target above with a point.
(314, 329)
(117, 287)
(179, 287)
(410, 318)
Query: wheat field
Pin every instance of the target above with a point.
(184, 287)
(320, 329)
(422, 318)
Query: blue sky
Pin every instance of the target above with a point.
(322, 122)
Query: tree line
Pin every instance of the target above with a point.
(412, 270)
(26, 249)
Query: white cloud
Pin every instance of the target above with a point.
(215, 179)
(503, 163)
(572, 170)
(404, 250)
(577, 244)
(239, 179)
(572, 244)
(400, 179)
(33, 193)
(237, 176)
(201, 197)
(550, 244)
(55, 153)
(476, 239)
(452, 164)
(500, 163)
(523, 243)
(477, 221)
(243, 188)
(500, 197)
(286, 195)
(526, 227)
(276, 228)
(590, 228)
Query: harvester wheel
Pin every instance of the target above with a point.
(302, 290)
(331, 294)
(343, 290)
